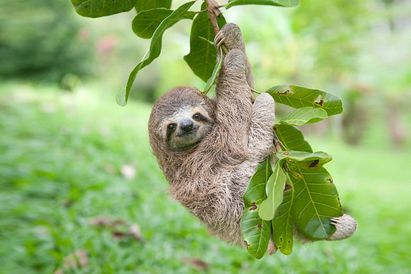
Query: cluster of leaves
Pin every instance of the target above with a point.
(155, 17)
(296, 191)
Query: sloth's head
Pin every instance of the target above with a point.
(180, 119)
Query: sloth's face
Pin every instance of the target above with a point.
(186, 127)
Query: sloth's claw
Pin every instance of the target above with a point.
(219, 39)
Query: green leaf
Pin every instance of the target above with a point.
(299, 97)
(283, 223)
(255, 192)
(203, 54)
(211, 81)
(146, 22)
(155, 47)
(291, 138)
(99, 8)
(306, 159)
(316, 201)
(305, 115)
(275, 188)
(279, 3)
(142, 5)
(256, 232)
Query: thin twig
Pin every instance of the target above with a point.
(256, 91)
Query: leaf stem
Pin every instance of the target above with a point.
(277, 144)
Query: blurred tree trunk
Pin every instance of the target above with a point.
(355, 117)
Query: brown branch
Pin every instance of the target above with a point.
(277, 144)
(213, 9)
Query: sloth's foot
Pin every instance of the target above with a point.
(345, 227)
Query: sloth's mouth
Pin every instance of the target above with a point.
(185, 142)
(187, 134)
(188, 146)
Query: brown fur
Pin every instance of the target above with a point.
(211, 177)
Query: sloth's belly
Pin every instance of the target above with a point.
(218, 201)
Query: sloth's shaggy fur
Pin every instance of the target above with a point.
(211, 177)
(211, 166)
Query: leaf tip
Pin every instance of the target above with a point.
(121, 99)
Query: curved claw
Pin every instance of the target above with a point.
(219, 39)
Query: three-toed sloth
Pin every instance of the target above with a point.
(209, 148)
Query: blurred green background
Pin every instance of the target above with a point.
(82, 193)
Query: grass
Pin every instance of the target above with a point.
(61, 156)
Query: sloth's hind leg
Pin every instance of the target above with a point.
(260, 140)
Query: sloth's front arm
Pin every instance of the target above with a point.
(234, 96)
(253, 123)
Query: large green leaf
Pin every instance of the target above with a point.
(256, 232)
(98, 8)
(316, 201)
(142, 5)
(306, 159)
(299, 97)
(155, 47)
(280, 3)
(291, 138)
(203, 54)
(305, 115)
(146, 22)
(283, 223)
(274, 188)
(255, 192)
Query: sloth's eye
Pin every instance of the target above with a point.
(197, 116)
(172, 126)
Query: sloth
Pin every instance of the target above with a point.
(209, 148)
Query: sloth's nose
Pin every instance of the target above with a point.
(186, 125)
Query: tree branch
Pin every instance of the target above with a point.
(213, 9)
